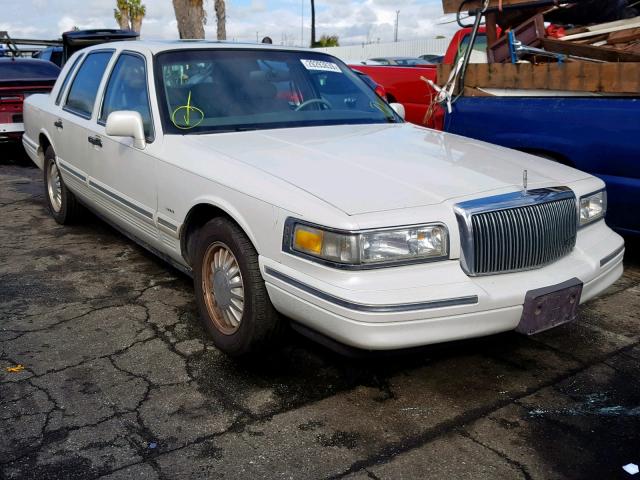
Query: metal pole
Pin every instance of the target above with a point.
(474, 33)
(395, 34)
(302, 23)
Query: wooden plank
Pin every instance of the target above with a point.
(452, 6)
(610, 27)
(623, 77)
(491, 22)
(588, 51)
(624, 36)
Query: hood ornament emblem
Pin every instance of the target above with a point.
(524, 181)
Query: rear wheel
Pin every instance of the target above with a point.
(62, 204)
(231, 295)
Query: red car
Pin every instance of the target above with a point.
(408, 86)
(19, 78)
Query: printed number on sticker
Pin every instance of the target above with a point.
(321, 65)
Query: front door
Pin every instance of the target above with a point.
(123, 176)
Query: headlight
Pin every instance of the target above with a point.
(593, 207)
(367, 248)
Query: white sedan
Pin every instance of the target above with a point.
(288, 189)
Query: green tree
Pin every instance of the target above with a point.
(137, 11)
(129, 14)
(328, 41)
(121, 14)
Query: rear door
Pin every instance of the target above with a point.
(73, 126)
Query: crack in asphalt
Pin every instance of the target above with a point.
(518, 465)
(409, 444)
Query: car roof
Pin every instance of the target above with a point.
(28, 69)
(157, 46)
(28, 61)
(24, 60)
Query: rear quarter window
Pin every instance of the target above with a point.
(65, 82)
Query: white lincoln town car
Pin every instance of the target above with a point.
(288, 189)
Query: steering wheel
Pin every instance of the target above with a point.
(312, 101)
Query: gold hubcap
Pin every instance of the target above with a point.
(223, 288)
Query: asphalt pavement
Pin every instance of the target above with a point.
(120, 381)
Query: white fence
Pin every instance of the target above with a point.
(413, 48)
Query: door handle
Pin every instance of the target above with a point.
(95, 141)
(58, 124)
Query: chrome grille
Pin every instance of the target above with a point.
(517, 232)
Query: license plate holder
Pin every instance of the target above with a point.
(549, 307)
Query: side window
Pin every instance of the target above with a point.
(127, 90)
(479, 52)
(66, 79)
(84, 88)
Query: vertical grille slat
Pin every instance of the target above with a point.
(523, 237)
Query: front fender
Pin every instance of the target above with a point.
(257, 221)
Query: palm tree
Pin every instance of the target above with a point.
(121, 14)
(190, 16)
(129, 14)
(137, 11)
(221, 19)
(313, 23)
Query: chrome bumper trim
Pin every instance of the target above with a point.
(611, 256)
(361, 307)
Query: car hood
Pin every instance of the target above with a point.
(368, 168)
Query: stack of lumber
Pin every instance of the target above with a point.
(601, 58)
(620, 36)
(610, 42)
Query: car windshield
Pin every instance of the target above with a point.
(204, 91)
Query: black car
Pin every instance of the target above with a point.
(79, 39)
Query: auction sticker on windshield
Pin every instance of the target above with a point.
(320, 65)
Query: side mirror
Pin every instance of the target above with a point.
(397, 107)
(126, 123)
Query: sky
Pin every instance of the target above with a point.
(354, 21)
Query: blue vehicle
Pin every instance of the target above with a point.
(599, 135)
(52, 54)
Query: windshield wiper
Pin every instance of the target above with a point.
(226, 130)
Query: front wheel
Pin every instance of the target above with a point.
(231, 295)
(62, 204)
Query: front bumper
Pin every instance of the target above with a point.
(423, 304)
